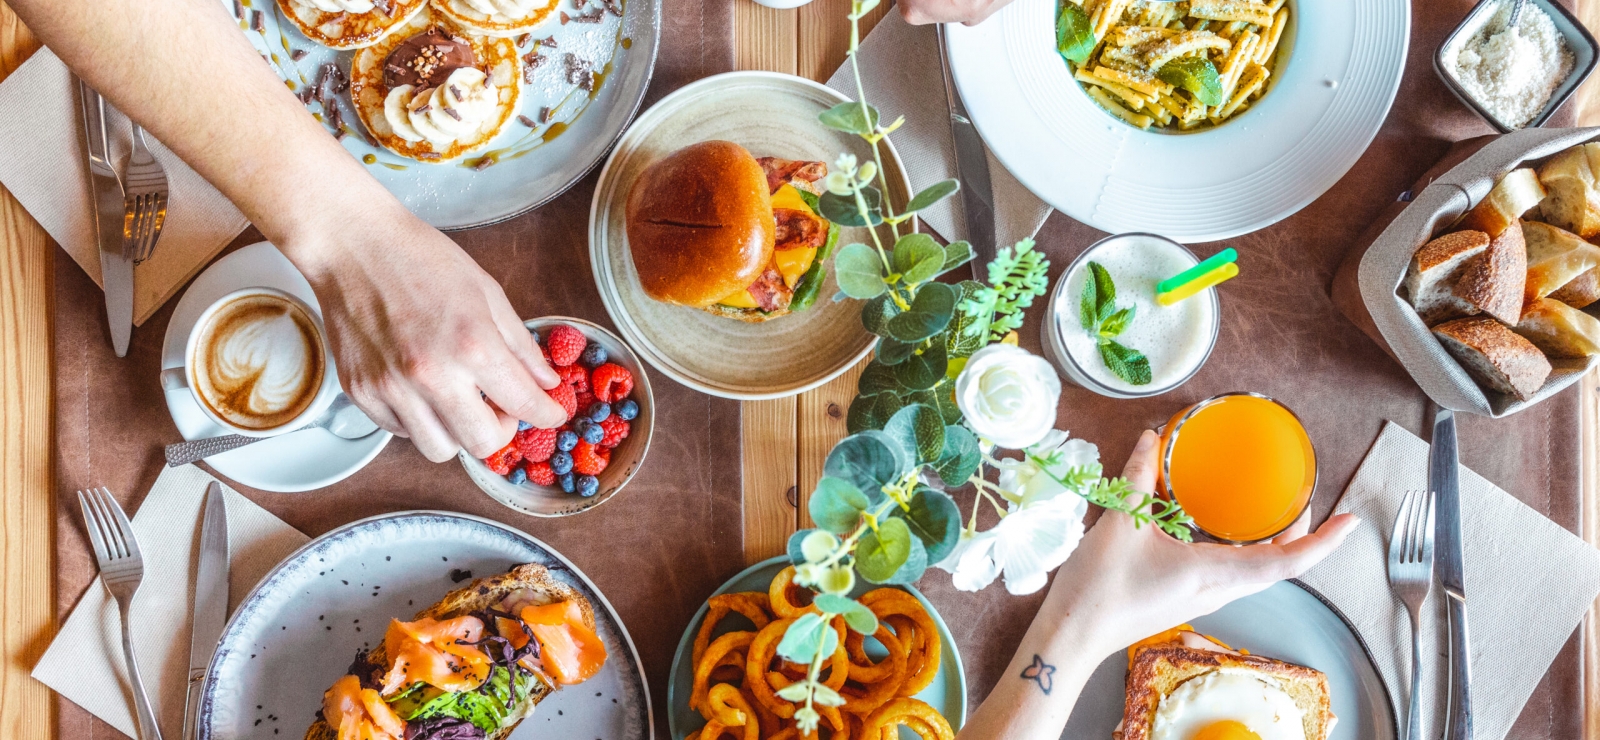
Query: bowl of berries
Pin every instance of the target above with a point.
(587, 460)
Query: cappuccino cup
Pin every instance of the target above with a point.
(257, 363)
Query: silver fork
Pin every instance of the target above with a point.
(144, 199)
(1411, 578)
(121, 568)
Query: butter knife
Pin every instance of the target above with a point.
(116, 266)
(210, 602)
(1444, 479)
(972, 170)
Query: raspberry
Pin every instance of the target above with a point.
(564, 395)
(616, 431)
(588, 459)
(539, 473)
(503, 460)
(575, 376)
(611, 382)
(585, 399)
(566, 345)
(536, 445)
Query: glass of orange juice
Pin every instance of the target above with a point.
(1240, 464)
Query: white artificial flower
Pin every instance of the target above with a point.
(1008, 395)
(1027, 482)
(1026, 545)
(846, 163)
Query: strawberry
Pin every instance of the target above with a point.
(539, 473)
(503, 460)
(616, 431)
(588, 459)
(564, 395)
(566, 345)
(536, 445)
(611, 382)
(575, 376)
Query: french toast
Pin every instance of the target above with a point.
(1159, 670)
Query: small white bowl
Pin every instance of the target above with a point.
(551, 501)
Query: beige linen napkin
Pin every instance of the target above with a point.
(42, 164)
(901, 76)
(1529, 583)
(84, 663)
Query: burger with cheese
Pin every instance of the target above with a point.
(712, 227)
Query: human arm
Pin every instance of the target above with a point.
(1125, 583)
(418, 329)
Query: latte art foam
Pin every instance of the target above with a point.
(258, 362)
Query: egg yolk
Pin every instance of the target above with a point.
(1225, 730)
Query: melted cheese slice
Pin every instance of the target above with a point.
(792, 263)
(355, 713)
(568, 649)
(432, 652)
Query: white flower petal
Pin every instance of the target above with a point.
(1008, 395)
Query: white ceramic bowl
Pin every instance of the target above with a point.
(551, 501)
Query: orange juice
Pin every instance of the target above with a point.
(1240, 464)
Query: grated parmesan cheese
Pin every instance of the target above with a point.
(1512, 72)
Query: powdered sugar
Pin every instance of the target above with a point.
(1512, 72)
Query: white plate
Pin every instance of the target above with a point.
(453, 196)
(288, 463)
(1323, 109)
(1288, 622)
(772, 115)
(298, 631)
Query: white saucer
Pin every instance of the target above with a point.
(290, 463)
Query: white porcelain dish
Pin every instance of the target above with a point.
(296, 633)
(1330, 95)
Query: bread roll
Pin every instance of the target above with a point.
(1580, 291)
(1555, 258)
(1497, 357)
(1561, 331)
(1435, 270)
(1515, 193)
(1493, 281)
(1571, 201)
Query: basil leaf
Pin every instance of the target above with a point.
(1074, 33)
(1195, 74)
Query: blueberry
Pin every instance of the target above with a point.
(567, 482)
(598, 411)
(593, 433)
(561, 462)
(536, 338)
(588, 485)
(523, 426)
(517, 476)
(628, 410)
(566, 440)
(594, 355)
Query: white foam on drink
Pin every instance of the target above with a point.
(1174, 338)
(260, 362)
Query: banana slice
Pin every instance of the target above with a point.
(396, 110)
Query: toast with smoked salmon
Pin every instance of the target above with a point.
(473, 665)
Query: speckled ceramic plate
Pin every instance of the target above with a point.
(772, 115)
(530, 166)
(1289, 622)
(947, 694)
(296, 633)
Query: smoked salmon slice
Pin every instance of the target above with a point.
(360, 714)
(435, 652)
(568, 649)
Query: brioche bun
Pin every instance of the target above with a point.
(700, 224)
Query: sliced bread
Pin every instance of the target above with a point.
(1158, 671)
(1493, 281)
(1580, 291)
(1515, 193)
(1555, 257)
(1435, 270)
(1497, 357)
(1560, 330)
(1571, 201)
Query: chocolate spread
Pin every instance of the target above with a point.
(426, 59)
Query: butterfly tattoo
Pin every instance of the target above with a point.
(1041, 673)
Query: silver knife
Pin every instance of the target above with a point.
(116, 267)
(1444, 479)
(972, 170)
(210, 602)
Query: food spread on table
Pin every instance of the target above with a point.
(1511, 71)
(712, 227)
(1179, 66)
(473, 665)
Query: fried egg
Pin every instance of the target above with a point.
(1228, 704)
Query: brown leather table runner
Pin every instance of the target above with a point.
(675, 534)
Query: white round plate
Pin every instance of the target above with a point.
(537, 165)
(772, 115)
(1288, 622)
(288, 463)
(1325, 105)
(947, 694)
(299, 630)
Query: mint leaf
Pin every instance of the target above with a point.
(1089, 303)
(1116, 323)
(1105, 290)
(1129, 364)
(1074, 33)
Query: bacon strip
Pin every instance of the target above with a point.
(798, 229)
(770, 292)
(780, 171)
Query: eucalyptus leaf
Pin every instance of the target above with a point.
(859, 271)
(917, 257)
(922, 371)
(880, 553)
(863, 414)
(795, 692)
(886, 406)
(806, 637)
(867, 460)
(935, 520)
(844, 211)
(892, 351)
(959, 459)
(930, 313)
(919, 429)
(933, 194)
(912, 569)
(856, 615)
(836, 505)
(956, 254)
(849, 118)
(878, 378)
(875, 314)
(941, 397)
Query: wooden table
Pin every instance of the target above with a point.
(784, 440)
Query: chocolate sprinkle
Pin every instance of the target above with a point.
(428, 155)
(580, 71)
(524, 39)
(452, 113)
(544, 114)
(549, 41)
(238, 10)
(483, 164)
(526, 121)
(565, 18)
(424, 109)
(258, 22)
(614, 7)
(298, 54)
(384, 6)
(455, 92)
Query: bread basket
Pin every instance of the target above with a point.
(1367, 286)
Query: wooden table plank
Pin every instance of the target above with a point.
(27, 555)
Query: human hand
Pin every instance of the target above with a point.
(968, 12)
(1135, 582)
(418, 329)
